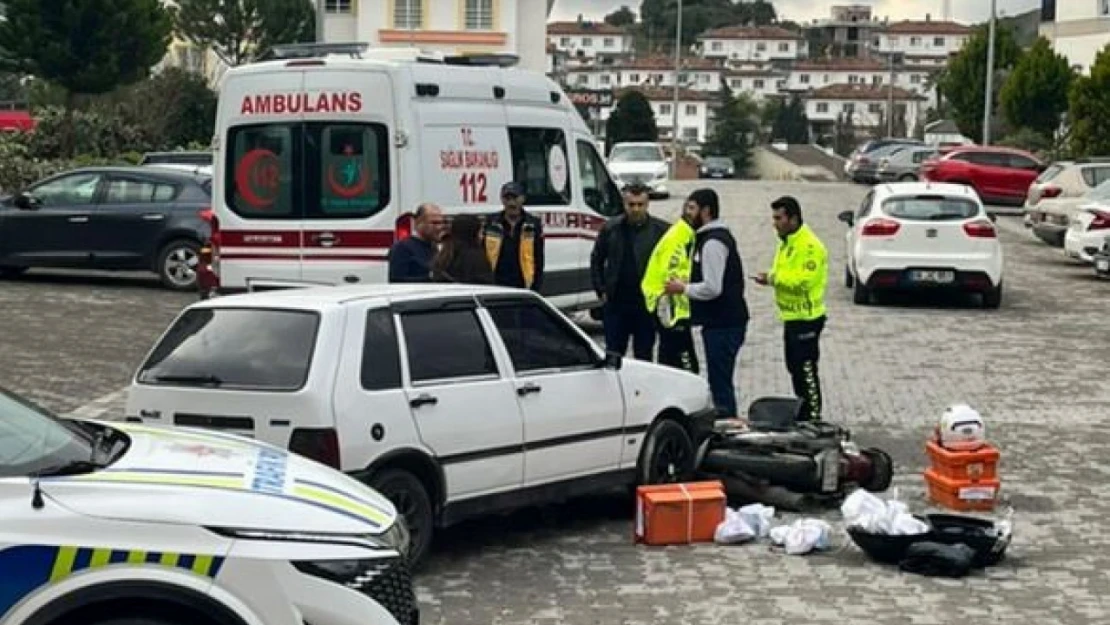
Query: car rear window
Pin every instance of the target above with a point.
(235, 348)
(317, 170)
(1050, 173)
(1096, 174)
(930, 208)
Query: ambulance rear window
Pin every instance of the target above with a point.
(317, 170)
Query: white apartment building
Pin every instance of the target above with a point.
(694, 111)
(449, 26)
(744, 43)
(866, 104)
(1078, 29)
(757, 83)
(807, 75)
(584, 40)
(927, 42)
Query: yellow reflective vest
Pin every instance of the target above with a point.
(799, 276)
(671, 258)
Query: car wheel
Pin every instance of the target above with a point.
(138, 620)
(849, 281)
(667, 456)
(861, 294)
(907, 178)
(177, 264)
(992, 299)
(12, 272)
(410, 497)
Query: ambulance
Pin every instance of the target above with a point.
(324, 152)
(108, 523)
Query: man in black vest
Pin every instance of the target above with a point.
(716, 293)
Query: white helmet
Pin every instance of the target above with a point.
(961, 428)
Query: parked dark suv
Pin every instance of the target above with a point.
(109, 218)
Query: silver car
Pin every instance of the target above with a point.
(905, 164)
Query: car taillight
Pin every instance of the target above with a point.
(321, 445)
(880, 228)
(1100, 222)
(402, 228)
(1051, 191)
(980, 230)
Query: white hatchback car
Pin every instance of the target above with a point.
(451, 400)
(923, 235)
(1089, 229)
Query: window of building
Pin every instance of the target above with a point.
(664, 109)
(803, 78)
(915, 41)
(822, 107)
(690, 134)
(408, 14)
(583, 79)
(565, 42)
(938, 42)
(875, 108)
(1104, 8)
(761, 46)
(892, 41)
(587, 42)
(848, 107)
(691, 110)
(607, 42)
(479, 14)
(736, 84)
(605, 80)
(339, 6)
(758, 84)
(716, 46)
(915, 79)
(784, 47)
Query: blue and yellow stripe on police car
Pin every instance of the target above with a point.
(25, 568)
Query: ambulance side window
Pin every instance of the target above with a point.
(598, 189)
(540, 164)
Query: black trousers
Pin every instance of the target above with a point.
(801, 340)
(676, 347)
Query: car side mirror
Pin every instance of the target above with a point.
(847, 217)
(612, 360)
(27, 202)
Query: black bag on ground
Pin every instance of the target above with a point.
(938, 560)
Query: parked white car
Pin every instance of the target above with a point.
(108, 523)
(641, 162)
(451, 400)
(922, 235)
(1089, 229)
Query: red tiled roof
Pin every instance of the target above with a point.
(861, 92)
(840, 65)
(750, 32)
(667, 94)
(664, 63)
(911, 27)
(583, 28)
(754, 73)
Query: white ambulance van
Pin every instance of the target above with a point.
(324, 153)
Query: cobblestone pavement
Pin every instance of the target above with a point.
(1036, 369)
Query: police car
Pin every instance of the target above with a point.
(126, 524)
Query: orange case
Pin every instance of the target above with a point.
(679, 514)
(962, 494)
(981, 464)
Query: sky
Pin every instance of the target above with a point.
(805, 10)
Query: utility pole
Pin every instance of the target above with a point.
(989, 99)
(320, 15)
(674, 103)
(890, 100)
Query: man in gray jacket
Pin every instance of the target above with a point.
(617, 265)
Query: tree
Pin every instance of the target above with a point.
(963, 84)
(239, 31)
(186, 103)
(87, 47)
(1035, 95)
(623, 16)
(1089, 109)
(844, 138)
(631, 120)
(791, 124)
(734, 129)
(659, 17)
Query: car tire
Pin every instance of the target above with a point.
(849, 281)
(409, 495)
(992, 299)
(907, 178)
(9, 271)
(139, 620)
(667, 456)
(177, 264)
(861, 294)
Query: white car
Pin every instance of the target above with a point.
(451, 400)
(1089, 229)
(922, 235)
(641, 162)
(118, 523)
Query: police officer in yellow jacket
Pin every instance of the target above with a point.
(799, 276)
(672, 259)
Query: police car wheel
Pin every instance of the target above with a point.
(410, 497)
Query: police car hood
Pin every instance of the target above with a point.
(194, 477)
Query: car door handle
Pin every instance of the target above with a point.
(528, 389)
(154, 217)
(83, 219)
(423, 399)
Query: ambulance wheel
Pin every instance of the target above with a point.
(667, 456)
(882, 470)
(410, 497)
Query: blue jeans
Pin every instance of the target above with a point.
(624, 323)
(722, 347)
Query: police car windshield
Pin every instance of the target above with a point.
(33, 440)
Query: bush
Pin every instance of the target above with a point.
(19, 167)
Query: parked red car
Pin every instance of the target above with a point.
(999, 175)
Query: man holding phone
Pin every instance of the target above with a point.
(798, 276)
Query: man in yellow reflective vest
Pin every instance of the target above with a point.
(799, 276)
(672, 259)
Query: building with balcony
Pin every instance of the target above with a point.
(449, 26)
(746, 44)
(1077, 30)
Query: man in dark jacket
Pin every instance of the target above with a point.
(514, 242)
(716, 292)
(410, 259)
(617, 265)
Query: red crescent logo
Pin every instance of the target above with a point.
(258, 170)
(348, 193)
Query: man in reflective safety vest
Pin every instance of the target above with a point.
(513, 239)
(799, 276)
(671, 259)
